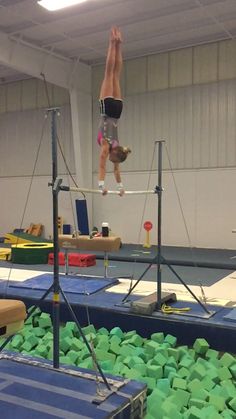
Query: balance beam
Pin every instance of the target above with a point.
(102, 244)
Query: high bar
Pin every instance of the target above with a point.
(98, 191)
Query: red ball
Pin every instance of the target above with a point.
(147, 225)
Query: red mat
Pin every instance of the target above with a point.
(74, 259)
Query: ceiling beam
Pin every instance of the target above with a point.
(34, 61)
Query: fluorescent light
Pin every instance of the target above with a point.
(58, 4)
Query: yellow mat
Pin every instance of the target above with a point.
(11, 238)
(5, 254)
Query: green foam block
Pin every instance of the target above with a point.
(201, 346)
(154, 371)
(44, 321)
(117, 332)
(232, 404)
(158, 337)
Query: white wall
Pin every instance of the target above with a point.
(25, 141)
(23, 203)
(208, 204)
(198, 123)
(26, 167)
(187, 96)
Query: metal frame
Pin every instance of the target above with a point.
(159, 259)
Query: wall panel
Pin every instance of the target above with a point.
(16, 191)
(227, 59)
(3, 98)
(44, 94)
(97, 77)
(197, 65)
(205, 63)
(198, 123)
(207, 202)
(136, 76)
(31, 94)
(14, 97)
(25, 141)
(60, 96)
(158, 71)
(231, 127)
(29, 91)
(181, 71)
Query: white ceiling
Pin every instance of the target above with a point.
(148, 26)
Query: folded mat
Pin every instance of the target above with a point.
(12, 316)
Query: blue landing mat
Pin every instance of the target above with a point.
(231, 316)
(69, 283)
(34, 392)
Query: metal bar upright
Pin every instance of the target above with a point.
(56, 284)
(159, 221)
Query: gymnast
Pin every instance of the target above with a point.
(111, 105)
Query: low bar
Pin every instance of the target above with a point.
(98, 191)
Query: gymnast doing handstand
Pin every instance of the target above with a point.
(111, 105)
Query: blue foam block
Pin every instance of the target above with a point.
(82, 216)
(66, 229)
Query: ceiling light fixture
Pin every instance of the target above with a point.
(58, 4)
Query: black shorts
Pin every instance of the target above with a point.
(111, 107)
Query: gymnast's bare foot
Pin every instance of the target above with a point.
(113, 37)
(118, 35)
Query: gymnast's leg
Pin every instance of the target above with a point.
(107, 84)
(118, 66)
(107, 91)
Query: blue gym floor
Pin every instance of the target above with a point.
(106, 308)
(184, 256)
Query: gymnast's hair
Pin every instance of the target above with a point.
(122, 153)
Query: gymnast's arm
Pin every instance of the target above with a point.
(118, 178)
(104, 153)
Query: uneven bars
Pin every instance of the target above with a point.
(98, 191)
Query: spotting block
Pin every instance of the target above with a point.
(147, 305)
(103, 244)
(82, 260)
(61, 258)
(12, 316)
(74, 259)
